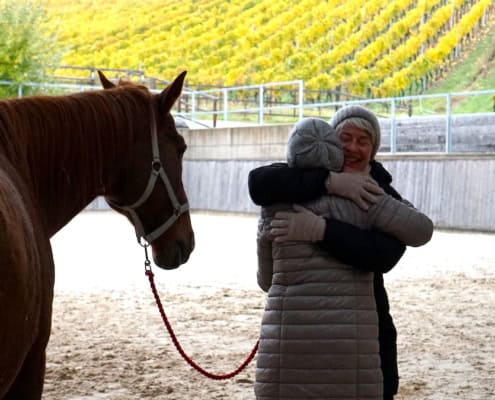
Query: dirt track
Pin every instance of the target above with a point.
(108, 341)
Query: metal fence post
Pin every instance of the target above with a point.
(193, 105)
(225, 93)
(448, 124)
(301, 99)
(19, 90)
(261, 100)
(393, 128)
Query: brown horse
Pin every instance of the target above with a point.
(58, 153)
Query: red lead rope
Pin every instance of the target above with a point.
(181, 351)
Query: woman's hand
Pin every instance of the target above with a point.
(360, 188)
(302, 225)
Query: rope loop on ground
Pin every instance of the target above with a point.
(178, 346)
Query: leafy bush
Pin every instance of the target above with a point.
(25, 48)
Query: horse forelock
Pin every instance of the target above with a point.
(76, 135)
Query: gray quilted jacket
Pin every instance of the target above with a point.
(319, 332)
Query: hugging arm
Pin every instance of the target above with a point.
(401, 220)
(277, 183)
(368, 249)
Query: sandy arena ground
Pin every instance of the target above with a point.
(108, 341)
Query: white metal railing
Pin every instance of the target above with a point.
(391, 107)
(223, 94)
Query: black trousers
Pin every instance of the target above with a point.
(387, 337)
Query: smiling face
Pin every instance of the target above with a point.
(358, 148)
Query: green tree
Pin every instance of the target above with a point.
(26, 47)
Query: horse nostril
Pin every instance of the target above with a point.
(192, 241)
(182, 253)
(178, 257)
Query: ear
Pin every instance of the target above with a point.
(171, 93)
(104, 81)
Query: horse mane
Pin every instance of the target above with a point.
(76, 135)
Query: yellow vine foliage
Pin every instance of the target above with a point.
(364, 47)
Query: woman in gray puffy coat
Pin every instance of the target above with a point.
(319, 333)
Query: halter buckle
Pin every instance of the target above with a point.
(156, 165)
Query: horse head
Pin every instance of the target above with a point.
(149, 190)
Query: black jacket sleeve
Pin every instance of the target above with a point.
(277, 183)
(370, 250)
(366, 249)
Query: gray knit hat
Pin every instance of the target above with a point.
(314, 143)
(360, 112)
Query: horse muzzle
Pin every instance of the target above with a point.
(174, 254)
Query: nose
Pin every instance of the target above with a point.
(350, 146)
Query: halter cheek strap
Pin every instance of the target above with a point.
(157, 171)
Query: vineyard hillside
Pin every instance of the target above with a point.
(366, 48)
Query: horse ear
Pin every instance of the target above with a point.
(104, 81)
(171, 93)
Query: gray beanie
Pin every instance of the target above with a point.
(360, 112)
(314, 143)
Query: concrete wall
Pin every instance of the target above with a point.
(469, 134)
(456, 190)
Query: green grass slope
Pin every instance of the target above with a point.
(474, 71)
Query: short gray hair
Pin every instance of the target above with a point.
(357, 122)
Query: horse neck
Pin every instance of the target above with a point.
(73, 148)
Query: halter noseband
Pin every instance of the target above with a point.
(157, 171)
